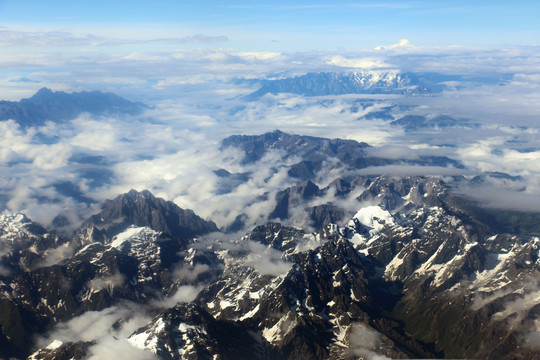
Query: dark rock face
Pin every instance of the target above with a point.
(312, 149)
(303, 314)
(276, 236)
(143, 209)
(24, 245)
(190, 331)
(304, 170)
(451, 268)
(326, 214)
(58, 106)
(95, 277)
(293, 196)
(64, 351)
(228, 181)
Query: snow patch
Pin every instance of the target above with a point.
(374, 218)
(127, 234)
(54, 345)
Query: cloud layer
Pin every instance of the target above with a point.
(197, 99)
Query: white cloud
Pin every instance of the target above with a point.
(107, 282)
(55, 255)
(266, 260)
(60, 38)
(174, 154)
(414, 170)
(195, 39)
(45, 38)
(173, 148)
(502, 198)
(366, 342)
(99, 326)
(358, 63)
(260, 55)
(17, 144)
(184, 293)
(110, 347)
(189, 272)
(394, 153)
(401, 44)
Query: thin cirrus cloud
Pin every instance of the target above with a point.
(18, 38)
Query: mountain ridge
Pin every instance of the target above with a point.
(144, 209)
(339, 83)
(59, 106)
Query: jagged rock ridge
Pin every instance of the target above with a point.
(144, 209)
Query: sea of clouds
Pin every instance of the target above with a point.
(197, 98)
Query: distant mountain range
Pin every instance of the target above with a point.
(334, 83)
(369, 82)
(58, 106)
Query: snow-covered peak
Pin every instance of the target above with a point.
(373, 217)
(16, 227)
(374, 77)
(13, 218)
(12, 223)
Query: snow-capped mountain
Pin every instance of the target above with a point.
(387, 82)
(338, 83)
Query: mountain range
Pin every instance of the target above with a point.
(384, 82)
(389, 267)
(331, 83)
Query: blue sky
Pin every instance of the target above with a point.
(154, 48)
(289, 25)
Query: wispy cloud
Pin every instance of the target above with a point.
(46, 38)
(333, 5)
(201, 39)
(101, 328)
(18, 38)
